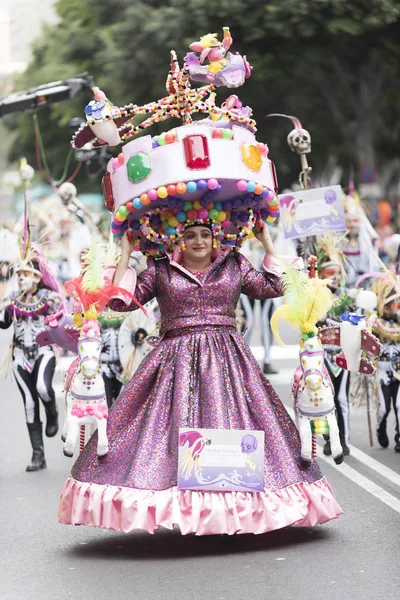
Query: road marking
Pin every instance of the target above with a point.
(375, 465)
(358, 479)
(365, 483)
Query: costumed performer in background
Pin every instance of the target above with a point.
(359, 243)
(387, 329)
(331, 266)
(38, 296)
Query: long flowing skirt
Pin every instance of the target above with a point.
(203, 377)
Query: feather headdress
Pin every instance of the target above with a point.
(330, 254)
(307, 302)
(386, 286)
(90, 289)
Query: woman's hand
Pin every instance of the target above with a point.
(128, 245)
(123, 264)
(261, 233)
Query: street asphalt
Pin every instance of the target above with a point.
(352, 558)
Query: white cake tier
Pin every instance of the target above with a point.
(168, 164)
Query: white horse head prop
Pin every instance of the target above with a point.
(307, 301)
(314, 402)
(311, 362)
(85, 394)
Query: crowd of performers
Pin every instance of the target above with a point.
(184, 362)
(38, 295)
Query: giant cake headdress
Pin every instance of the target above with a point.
(206, 171)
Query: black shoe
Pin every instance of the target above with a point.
(382, 437)
(397, 447)
(36, 436)
(51, 421)
(327, 449)
(339, 459)
(268, 370)
(346, 449)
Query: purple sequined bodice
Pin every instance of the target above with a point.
(211, 299)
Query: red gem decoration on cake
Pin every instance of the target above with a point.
(196, 151)
(108, 191)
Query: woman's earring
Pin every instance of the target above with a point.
(183, 246)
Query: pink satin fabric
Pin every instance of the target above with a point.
(203, 513)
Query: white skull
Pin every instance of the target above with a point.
(67, 192)
(299, 141)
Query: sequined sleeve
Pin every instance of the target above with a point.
(144, 291)
(258, 284)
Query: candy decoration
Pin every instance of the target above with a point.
(181, 216)
(227, 134)
(201, 185)
(138, 167)
(191, 186)
(144, 199)
(181, 187)
(162, 192)
(251, 156)
(108, 191)
(196, 151)
(152, 194)
(212, 184)
(170, 137)
(171, 189)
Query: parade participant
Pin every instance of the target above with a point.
(188, 198)
(33, 366)
(387, 328)
(331, 267)
(201, 374)
(359, 244)
(111, 368)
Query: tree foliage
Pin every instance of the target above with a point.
(332, 63)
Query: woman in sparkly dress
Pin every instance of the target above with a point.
(201, 374)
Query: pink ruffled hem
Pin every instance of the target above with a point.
(203, 513)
